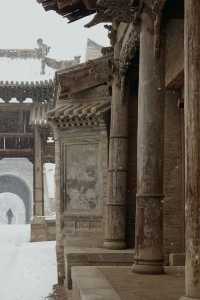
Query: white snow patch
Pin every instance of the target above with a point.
(27, 270)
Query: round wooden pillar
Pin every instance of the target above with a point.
(38, 175)
(115, 228)
(59, 209)
(192, 148)
(149, 214)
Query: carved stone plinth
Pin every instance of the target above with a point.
(149, 259)
(149, 215)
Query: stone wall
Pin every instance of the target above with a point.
(174, 53)
(43, 230)
(173, 175)
(132, 165)
(84, 156)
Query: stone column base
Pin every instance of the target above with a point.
(177, 259)
(148, 269)
(38, 229)
(114, 245)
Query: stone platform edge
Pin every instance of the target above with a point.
(43, 229)
(76, 257)
(90, 284)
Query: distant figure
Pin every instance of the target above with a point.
(10, 216)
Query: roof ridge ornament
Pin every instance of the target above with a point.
(39, 53)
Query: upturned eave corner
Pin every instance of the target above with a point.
(105, 10)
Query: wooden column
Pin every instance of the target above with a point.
(38, 174)
(149, 215)
(192, 148)
(117, 173)
(59, 210)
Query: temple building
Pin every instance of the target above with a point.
(126, 127)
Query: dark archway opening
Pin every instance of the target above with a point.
(15, 185)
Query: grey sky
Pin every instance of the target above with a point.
(24, 21)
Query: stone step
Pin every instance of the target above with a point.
(90, 284)
(95, 257)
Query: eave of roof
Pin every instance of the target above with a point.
(80, 114)
(37, 91)
(107, 10)
(69, 10)
(88, 75)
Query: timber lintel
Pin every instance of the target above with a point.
(83, 77)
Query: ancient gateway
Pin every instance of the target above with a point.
(22, 136)
(25, 133)
(126, 128)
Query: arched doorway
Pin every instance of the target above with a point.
(12, 205)
(17, 186)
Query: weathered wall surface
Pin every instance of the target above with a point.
(82, 182)
(132, 164)
(174, 52)
(84, 155)
(173, 176)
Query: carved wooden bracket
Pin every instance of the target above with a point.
(115, 10)
(130, 47)
(155, 8)
(127, 54)
(124, 10)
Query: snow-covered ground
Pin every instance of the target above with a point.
(27, 270)
(15, 203)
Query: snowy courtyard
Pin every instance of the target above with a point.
(27, 270)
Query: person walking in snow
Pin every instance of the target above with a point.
(10, 216)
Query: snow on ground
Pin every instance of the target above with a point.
(15, 203)
(27, 270)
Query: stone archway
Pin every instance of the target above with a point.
(16, 185)
(12, 209)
